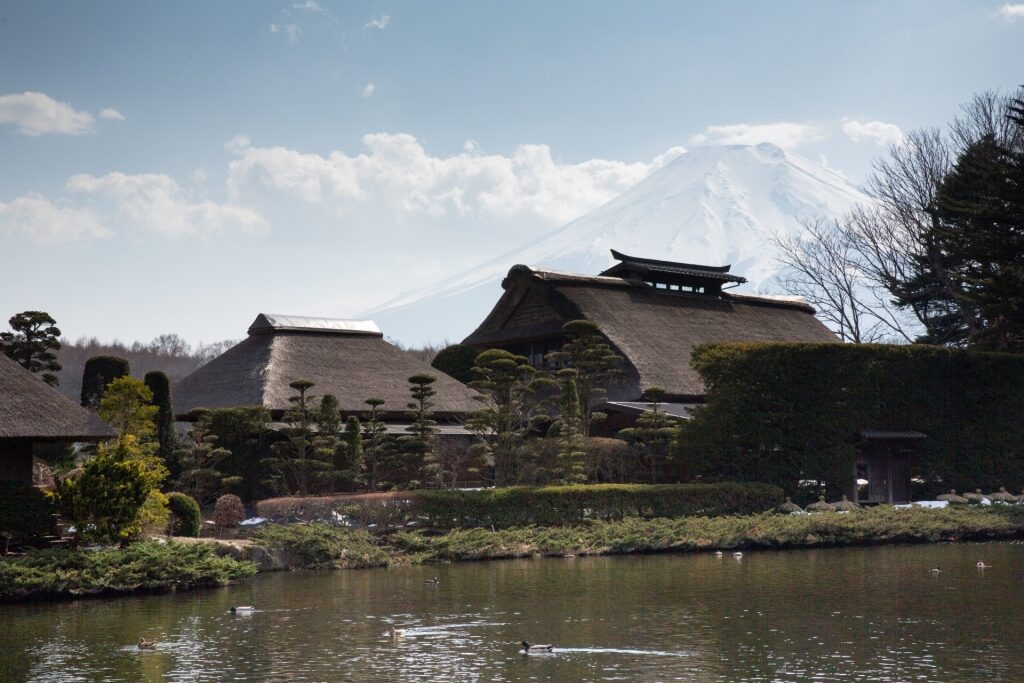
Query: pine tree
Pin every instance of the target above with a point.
(297, 465)
(100, 371)
(595, 363)
(327, 441)
(351, 471)
(31, 343)
(653, 434)
(418, 447)
(199, 459)
(568, 428)
(507, 390)
(376, 443)
(167, 438)
(127, 406)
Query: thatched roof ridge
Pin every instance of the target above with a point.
(352, 367)
(654, 329)
(31, 409)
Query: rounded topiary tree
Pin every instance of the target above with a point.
(98, 373)
(160, 385)
(457, 362)
(185, 518)
(228, 511)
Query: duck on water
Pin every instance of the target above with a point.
(541, 648)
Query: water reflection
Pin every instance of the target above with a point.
(873, 614)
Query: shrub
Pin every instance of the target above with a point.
(100, 371)
(558, 505)
(26, 512)
(185, 515)
(381, 509)
(457, 362)
(782, 413)
(228, 511)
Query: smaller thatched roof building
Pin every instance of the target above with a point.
(347, 358)
(31, 411)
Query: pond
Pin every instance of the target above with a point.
(855, 614)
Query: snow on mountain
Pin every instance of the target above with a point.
(713, 205)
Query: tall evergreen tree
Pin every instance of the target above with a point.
(418, 447)
(375, 444)
(351, 471)
(200, 460)
(98, 373)
(327, 440)
(166, 437)
(568, 428)
(506, 388)
(652, 435)
(297, 463)
(33, 338)
(595, 364)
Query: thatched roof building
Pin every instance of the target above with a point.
(347, 358)
(652, 312)
(32, 411)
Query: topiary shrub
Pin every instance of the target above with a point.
(457, 362)
(100, 371)
(228, 511)
(26, 513)
(185, 519)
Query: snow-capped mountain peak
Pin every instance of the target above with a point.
(711, 205)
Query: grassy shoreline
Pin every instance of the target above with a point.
(155, 566)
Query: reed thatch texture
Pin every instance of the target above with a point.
(31, 409)
(351, 364)
(654, 329)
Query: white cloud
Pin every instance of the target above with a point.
(36, 113)
(153, 202)
(379, 22)
(111, 114)
(43, 222)
(877, 131)
(784, 134)
(310, 6)
(291, 31)
(397, 175)
(368, 89)
(1012, 12)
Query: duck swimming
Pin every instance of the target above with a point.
(146, 644)
(982, 565)
(527, 647)
(718, 553)
(243, 609)
(396, 632)
(936, 570)
(433, 582)
(737, 554)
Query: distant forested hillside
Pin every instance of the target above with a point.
(167, 352)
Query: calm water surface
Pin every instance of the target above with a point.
(866, 614)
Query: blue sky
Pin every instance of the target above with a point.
(183, 166)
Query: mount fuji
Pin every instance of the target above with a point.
(712, 205)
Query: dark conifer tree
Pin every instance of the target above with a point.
(98, 373)
(160, 385)
(33, 338)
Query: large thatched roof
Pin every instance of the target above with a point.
(31, 409)
(654, 329)
(349, 359)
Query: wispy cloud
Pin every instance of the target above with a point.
(310, 6)
(36, 113)
(368, 89)
(291, 31)
(879, 132)
(784, 134)
(1011, 12)
(112, 114)
(379, 22)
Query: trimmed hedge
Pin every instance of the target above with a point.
(560, 505)
(782, 413)
(185, 515)
(526, 505)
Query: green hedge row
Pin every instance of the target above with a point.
(783, 413)
(557, 505)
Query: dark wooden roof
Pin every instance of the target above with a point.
(647, 268)
(353, 365)
(654, 329)
(31, 409)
